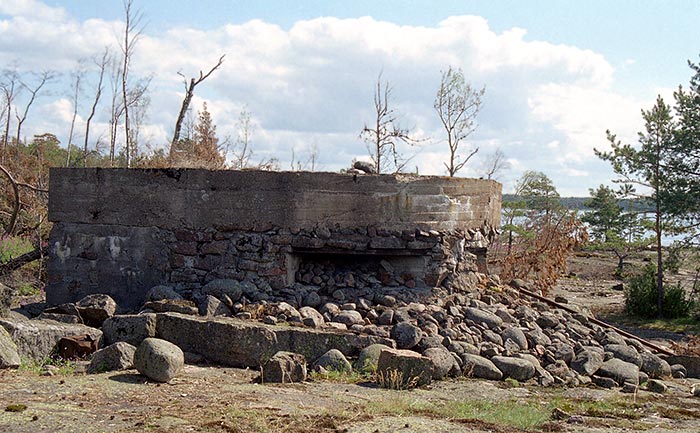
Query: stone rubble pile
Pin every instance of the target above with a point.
(490, 333)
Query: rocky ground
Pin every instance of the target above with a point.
(215, 399)
(209, 398)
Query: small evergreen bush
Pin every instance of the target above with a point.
(640, 294)
(641, 297)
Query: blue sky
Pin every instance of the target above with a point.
(557, 73)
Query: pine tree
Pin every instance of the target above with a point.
(613, 228)
(684, 174)
(203, 150)
(648, 167)
(605, 216)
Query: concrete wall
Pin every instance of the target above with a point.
(122, 231)
(257, 200)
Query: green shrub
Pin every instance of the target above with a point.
(640, 293)
(676, 303)
(12, 247)
(641, 297)
(674, 259)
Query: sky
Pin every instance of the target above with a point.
(556, 74)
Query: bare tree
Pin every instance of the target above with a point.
(139, 104)
(76, 86)
(384, 136)
(8, 93)
(495, 163)
(101, 66)
(457, 104)
(132, 33)
(116, 110)
(242, 151)
(43, 78)
(310, 162)
(3, 108)
(313, 155)
(189, 93)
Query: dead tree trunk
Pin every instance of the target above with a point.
(189, 93)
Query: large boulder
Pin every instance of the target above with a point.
(67, 310)
(285, 367)
(406, 335)
(117, 356)
(158, 359)
(479, 367)
(516, 335)
(349, 318)
(482, 316)
(211, 306)
(9, 358)
(63, 318)
(130, 328)
(182, 306)
(443, 362)
(654, 366)
(515, 368)
(587, 362)
(404, 368)
(368, 358)
(158, 293)
(311, 317)
(95, 309)
(620, 371)
(334, 360)
(239, 343)
(37, 339)
(218, 288)
(625, 353)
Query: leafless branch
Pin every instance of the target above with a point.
(189, 93)
(102, 66)
(16, 203)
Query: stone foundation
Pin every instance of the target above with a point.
(121, 232)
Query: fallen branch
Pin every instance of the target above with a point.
(22, 260)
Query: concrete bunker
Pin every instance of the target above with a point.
(123, 231)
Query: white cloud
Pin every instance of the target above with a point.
(546, 106)
(31, 9)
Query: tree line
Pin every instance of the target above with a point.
(657, 195)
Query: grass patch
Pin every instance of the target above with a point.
(38, 366)
(12, 247)
(395, 379)
(511, 413)
(340, 377)
(399, 404)
(15, 408)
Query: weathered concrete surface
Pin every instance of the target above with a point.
(36, 339)
(238, 343)
(121, 232)
(259, 200)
